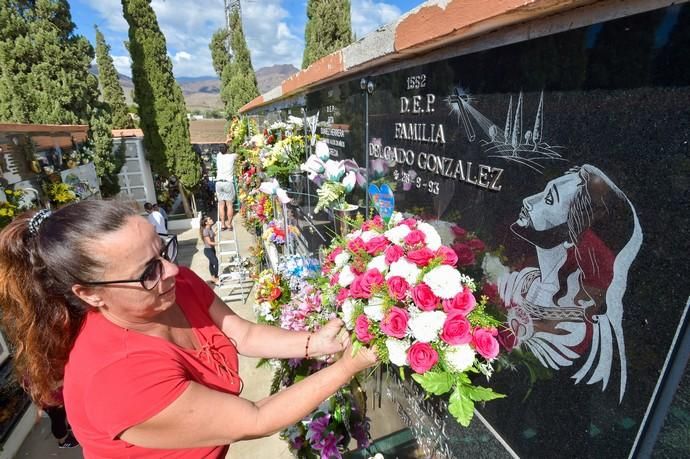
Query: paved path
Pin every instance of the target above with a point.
(40, 444)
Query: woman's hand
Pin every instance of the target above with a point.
(362, 359)
(330, 339)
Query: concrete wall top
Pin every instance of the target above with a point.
(432, 25)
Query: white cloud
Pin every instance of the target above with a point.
(269, 35)
(123, 65)
(182, 56)
(368, 15)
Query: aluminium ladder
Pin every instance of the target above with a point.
(234, 277)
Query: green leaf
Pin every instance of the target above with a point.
(356, 346)
(463, 379)
(481, 394)
(436, 383)
(461, 407)
(402, 373)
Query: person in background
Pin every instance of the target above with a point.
(162, 211)
(90, 294)
(225, 187)
(155, 218)
(209, 237)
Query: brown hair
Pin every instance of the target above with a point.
(39, 312)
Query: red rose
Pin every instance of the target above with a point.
(424, 298)
(362, 329)
(422, 357)
(343, 293)
(484, 341)
(393, 253)
(464, 302)
(376, 245)
(395, 323)
(410, 222)
(507, 339)
(460, 233)
(356, 244)
(414, 238)
(491, 291)
(477, 245)
(421, 257)
(456, 329)
(397, 287)
(448, 256)
(464, 253)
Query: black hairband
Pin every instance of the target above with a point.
(36, 221)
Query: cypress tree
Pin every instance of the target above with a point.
(162, 108)
(238, 83)
(328, 29)
(44, 66)
(108, 160)
(113, 95)
(220, 54)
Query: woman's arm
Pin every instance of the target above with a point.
(257, 340)
(204, 417)
(208, 241)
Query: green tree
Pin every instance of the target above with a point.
(162, 110)
(107, 158)
(220, 54)
(44, 66)
(328, 29)
(238, 81)
(113, 95)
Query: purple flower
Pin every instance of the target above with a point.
(317, 427)
(329, 446)
(360, 432)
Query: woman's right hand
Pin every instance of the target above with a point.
(364, 358)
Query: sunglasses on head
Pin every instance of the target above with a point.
(154, 269)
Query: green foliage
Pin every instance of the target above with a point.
(44, 66)
(161, 105)
(328, 29)
(436, 383)
(220, 54)
(238, 80)
(461, 406)
(113, 95)
(108, 160)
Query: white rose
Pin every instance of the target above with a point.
(460, 358)
(445, 281)
(397, 351)
(353, 235)
(341, 259)
(374, 309)
(493, 268)
(378, 263)
(426, 325)
(348, 308)
(405, 269)
(433, 240)
(396, 218)
(397, 234)
(368, 235)
(346, 276)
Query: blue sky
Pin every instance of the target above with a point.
(274, 29)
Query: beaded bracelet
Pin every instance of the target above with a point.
(306, 348)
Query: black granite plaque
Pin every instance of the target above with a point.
(566, 157)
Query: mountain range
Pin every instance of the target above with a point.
(203, 93)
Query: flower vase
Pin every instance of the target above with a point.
(342, 216)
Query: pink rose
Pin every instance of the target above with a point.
(374, 223)
(371, 278)
(356, 244)
(484, 341)
(343, 293)
(395, 323)
(331, 256)
(335, 278)
(477, 245)
(397, 287)
(356, 290)
(393, 253)
(448, 256)
(362, 329)
(464, 302)
(410, 222)
(377, 245)
(415, 238)
(460, 233)
(464, 253)
(424, 297)
(421, 257)
(422, 357)
(456, 329)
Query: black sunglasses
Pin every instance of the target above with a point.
(154, 269)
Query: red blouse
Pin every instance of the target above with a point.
(117, 378)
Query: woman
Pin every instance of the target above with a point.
(148, 353)
(225, 187)
(209, 237)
